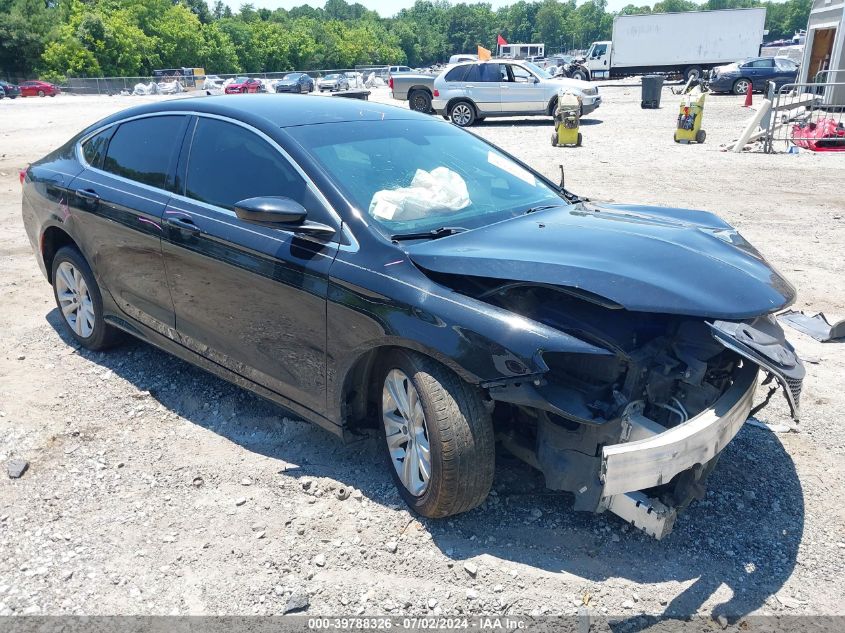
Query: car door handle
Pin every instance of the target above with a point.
(88, 194)
(184, 224)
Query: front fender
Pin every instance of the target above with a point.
(368, 309)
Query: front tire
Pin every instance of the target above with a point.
(741, 87)
(80, 302)
(580, 74)
(437, 435)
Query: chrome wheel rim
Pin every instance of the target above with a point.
(461, 114)
(742, 87)
(406, 432)
(75, 299)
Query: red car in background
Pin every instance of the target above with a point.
(37, 88)
(243, 85)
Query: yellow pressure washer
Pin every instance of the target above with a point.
(567, 120)
(689, 118)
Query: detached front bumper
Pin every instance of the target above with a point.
(652, 458)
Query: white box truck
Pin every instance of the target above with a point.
(685, 43)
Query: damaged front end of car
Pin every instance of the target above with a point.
(637, 431)
(676, 308)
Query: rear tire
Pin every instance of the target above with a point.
(445, 418)
(692, 72)
(578, 142)
(80, 302)
(40, 93)
(420, 101)
(700, 136)
(462, 114)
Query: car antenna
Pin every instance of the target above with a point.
(562, 178)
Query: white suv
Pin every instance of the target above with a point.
(473, 91)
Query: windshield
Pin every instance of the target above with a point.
(241, 80)
(411, 176)
(332, 76)
(291, 76)
(537, 70)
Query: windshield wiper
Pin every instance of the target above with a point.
(542, 207)
(442, 231)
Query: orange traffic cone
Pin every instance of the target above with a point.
(748, 99)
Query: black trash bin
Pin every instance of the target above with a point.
(652, 87)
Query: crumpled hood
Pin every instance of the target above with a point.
(648, 259)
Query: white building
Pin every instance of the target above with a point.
(521, 51)
(824, 48)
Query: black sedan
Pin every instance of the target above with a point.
(755, 72)
(295, 82)
(368, 266)
(9, 90)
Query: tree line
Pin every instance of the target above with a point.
(55, 39)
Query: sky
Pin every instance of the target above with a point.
(387, 8)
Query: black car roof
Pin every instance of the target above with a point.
(276, 110)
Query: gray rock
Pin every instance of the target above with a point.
(723, 621)
(471, 568)
(298, 601)
(16, 468)
(240, 501)
(391, 546)
(320, 560)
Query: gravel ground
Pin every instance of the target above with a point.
(155, 488)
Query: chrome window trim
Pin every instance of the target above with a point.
(353, 246)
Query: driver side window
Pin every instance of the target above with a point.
(229, 163)
(520, 75)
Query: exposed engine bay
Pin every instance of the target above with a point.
(672, 392)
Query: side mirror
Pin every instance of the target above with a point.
(280, 212)
(536, 80)
(271, 210)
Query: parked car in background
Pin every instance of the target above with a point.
(295, 82)
(395, 70)
(36, 88)
(473, 91)
(243, 85)
(9, 90)
(462, 57)
(415, 88)
(755, 72)
(614, 347)
(333, 82)
(212, 82)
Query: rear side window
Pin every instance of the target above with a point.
(457, 74)
(143, 150)
(94, 148)
(229, 163)
(493, 73)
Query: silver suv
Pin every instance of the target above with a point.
(473, 91)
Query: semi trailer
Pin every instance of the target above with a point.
(676, 43)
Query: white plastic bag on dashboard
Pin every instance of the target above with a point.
(440, 190)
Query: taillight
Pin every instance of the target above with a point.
(390, 83)
(22, 175)
(436, 93)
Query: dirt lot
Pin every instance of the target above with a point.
(154, 488)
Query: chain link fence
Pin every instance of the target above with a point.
(810, 115)
(163, 84)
